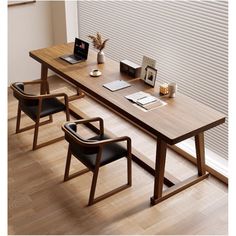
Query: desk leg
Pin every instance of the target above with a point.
(160, 196)
(200, 153)
(44, 89)
(159, 170)
(44, 77)
(78, 95)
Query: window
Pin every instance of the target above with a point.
(188, 39)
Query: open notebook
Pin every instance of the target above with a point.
(145, 100)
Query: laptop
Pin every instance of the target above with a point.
(80, 52)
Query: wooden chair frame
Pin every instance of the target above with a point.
(37, 120)
(100, 145)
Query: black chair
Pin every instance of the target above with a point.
(95, 152)
(36, 107)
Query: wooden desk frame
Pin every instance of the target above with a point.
(45, 85)
(159, 195)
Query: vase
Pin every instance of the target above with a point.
(101, 57)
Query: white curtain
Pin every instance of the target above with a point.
(188, 39)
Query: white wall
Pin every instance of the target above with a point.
(59, 22)
(71, 10)
(65, 21)
(38, 25)
(29, 27)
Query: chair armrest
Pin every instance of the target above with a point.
(114, 140)
(89, 120)
(33, 82)
(97, 143)
(41, 82)
(54, 95)
(22, 94)
(28, 96)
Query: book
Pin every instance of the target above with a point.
(154, 105)
(134, 97)
(145, 100)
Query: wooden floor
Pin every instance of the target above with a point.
(40, 203)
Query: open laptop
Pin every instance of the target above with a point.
(80, 52)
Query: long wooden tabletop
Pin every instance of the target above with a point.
(181, 118)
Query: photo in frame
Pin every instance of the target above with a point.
(151, 74)
(147, 61)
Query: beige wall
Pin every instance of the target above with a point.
(34, 26)
(59, 22)
(71, 20)
(29, 28)
(65, 21)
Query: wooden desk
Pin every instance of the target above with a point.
(180, 119)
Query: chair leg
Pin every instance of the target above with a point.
(50, 118)
(67, 114)
(36, 130)
(129, 169)
(93, 200)
(18, 119)
(67, 169)
(93, 186)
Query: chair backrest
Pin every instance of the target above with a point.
(24, 98)
(77, 142)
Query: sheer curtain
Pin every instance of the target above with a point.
(188, 39)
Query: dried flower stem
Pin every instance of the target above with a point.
(97, 41)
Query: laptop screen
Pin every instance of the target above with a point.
(81, 49)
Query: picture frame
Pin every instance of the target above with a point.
(151, 74)
(147, 61)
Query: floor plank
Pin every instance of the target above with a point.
(41, 203)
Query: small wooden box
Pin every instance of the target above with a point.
(130, 68)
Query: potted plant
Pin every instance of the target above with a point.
(99, 44)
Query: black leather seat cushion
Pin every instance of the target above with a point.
(49, 106)
(30, 106)
(111, 152)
